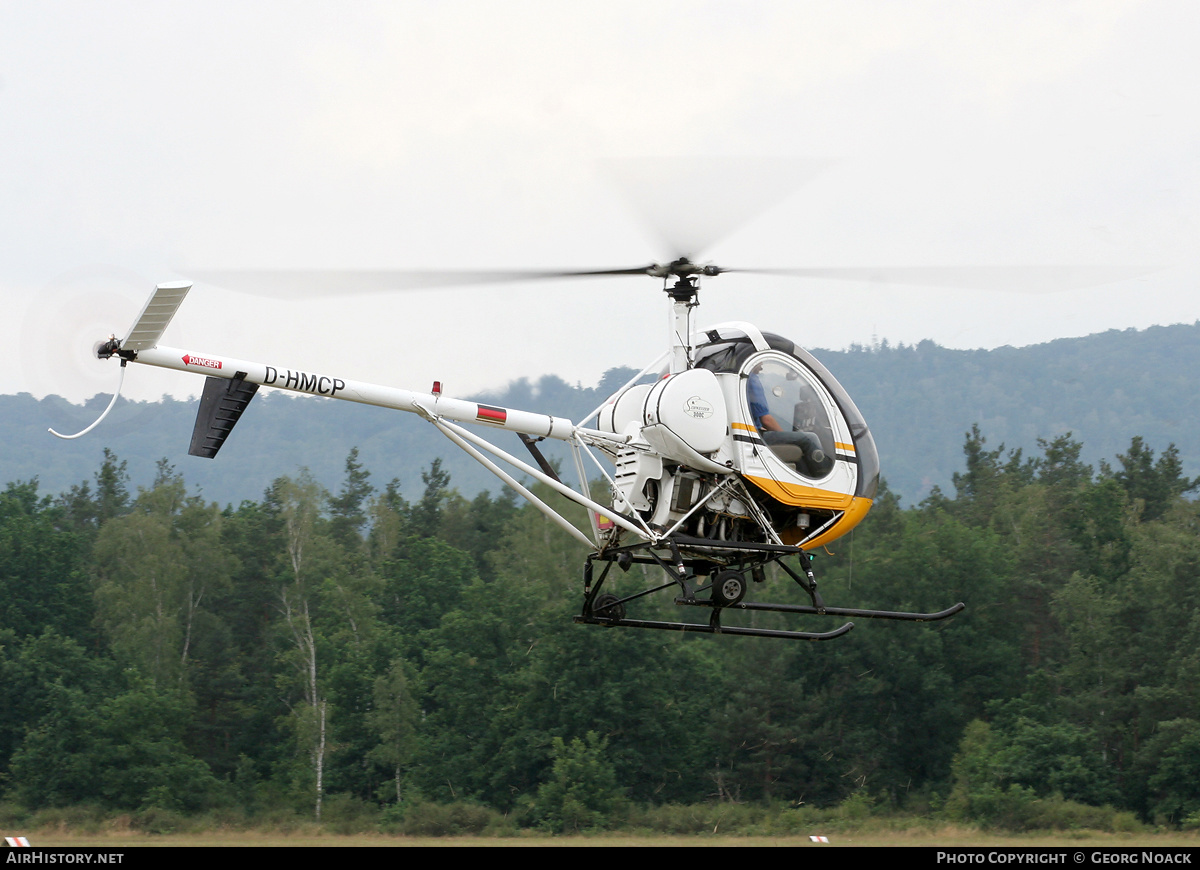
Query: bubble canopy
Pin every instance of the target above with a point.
(729, 351)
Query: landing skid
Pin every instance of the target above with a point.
(714, 628)
(726, 590)
(835, 611)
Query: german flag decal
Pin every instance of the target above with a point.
(490, 414)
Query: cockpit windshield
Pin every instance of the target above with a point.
(790, 416)
(729, 349)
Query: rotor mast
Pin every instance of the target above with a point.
(683, 300)
(685, 295)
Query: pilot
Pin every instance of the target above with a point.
(801, 449)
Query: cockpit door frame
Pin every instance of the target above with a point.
(780, 479)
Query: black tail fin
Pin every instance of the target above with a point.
(221, 407)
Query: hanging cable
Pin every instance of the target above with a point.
(99, 419)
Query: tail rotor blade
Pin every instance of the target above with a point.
(65, 318)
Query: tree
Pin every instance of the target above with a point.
(389, 514)
(155, 567)
(394, 720)
(1155, 484)
(1174, 753)
(1038, 757)
(426, 515)
(112, 488)
(582, 791)
(421, 584)
(349, 509)
(987, 475)
(759, 728)
(34, 669)
(300, 504)
(126, 751)
(42, 567)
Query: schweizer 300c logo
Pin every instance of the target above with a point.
(698, 408)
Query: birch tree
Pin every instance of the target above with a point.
(300, 503)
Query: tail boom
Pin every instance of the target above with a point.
(294, 380)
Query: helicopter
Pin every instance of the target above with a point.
(733, 451)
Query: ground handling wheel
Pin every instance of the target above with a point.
(608, 606)
(728, 588)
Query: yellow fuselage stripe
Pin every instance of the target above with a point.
(795, 495)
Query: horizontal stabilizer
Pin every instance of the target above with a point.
(221, 406)
(155, 316)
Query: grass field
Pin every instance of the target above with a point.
(945, 837)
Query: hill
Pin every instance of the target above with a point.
(1105, 389)
(919, 401)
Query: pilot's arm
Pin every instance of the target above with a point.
(769, 423)
(758, 406)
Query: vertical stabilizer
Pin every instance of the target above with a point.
(221, 406)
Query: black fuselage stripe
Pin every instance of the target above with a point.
(758, 442)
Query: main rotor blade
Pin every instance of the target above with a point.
(693, 202)
(314, 283)
(1016, 279)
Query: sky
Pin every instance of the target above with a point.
(142, 141)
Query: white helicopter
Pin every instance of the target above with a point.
(739, 452)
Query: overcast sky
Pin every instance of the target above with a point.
(141, 140)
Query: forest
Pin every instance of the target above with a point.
(358, 654)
